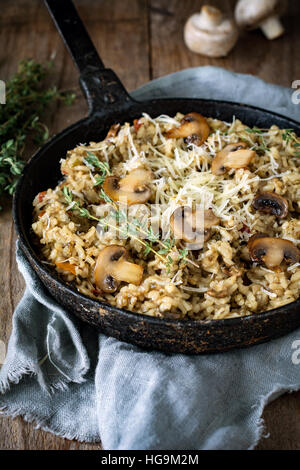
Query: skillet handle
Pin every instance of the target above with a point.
(101, 86)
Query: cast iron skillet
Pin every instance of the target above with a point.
(109, 103)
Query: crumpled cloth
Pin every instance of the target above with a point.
(70, 380)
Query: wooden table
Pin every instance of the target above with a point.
(140, 40)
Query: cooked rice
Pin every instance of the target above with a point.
(181, 174)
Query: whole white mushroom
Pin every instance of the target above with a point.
(264, 14)
(210, 33)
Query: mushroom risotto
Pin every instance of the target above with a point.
(122, 226)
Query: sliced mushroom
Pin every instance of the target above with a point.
(272, 251)
(271, 203)
(112, 267)
(113, 131)
(210, 32)
(193, 226)
(256, 236)
(130, 190)
(232, 156)
(193, 128)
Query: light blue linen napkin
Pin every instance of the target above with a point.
(72, 381)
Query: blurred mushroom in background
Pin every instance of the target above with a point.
(263, 14)
(210, 33)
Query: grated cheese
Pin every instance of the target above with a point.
(200, 290)
(294, 266)
(270, 294)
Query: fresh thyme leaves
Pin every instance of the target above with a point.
(288, 135)
(183, 254)
(169, 263)
(76, 205)
(93, 160)
(147, 233)
(256, 130)
(124, 230)
(147, 249)
(26, 101)
(134, 228)
(168, 246)
(68, 195)
(10, 166)
(297, 147)
(105, 197)
(131, 229)
(94, 163)
(151, 236)
(262, 146)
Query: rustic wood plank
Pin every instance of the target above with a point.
(116, 28)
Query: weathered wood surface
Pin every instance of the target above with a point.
(140, 40)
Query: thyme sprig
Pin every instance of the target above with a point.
(26, 101)
(259, 133)
(166, 245)
(256, 130)
(134, 227)
(135, 224)
(288, 136)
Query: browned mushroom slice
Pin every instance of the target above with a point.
(193, 226)
(130, 190)
(233, 156)
(271, 203)
(113, 131)
(193, 128)
(112, 267)
(272, 251)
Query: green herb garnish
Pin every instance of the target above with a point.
(93, 161)
(289, 136)
(26, 102)
(183, 254)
